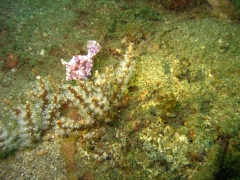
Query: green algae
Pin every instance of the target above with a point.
(186, 82)
(6, 153)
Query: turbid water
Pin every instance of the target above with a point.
(178, 118)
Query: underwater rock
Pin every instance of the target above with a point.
(175, 4)
(222, 8)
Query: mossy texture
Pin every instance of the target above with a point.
(182, 100)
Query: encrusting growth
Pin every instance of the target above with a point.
(92, 100)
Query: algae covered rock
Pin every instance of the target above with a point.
(222, 8)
